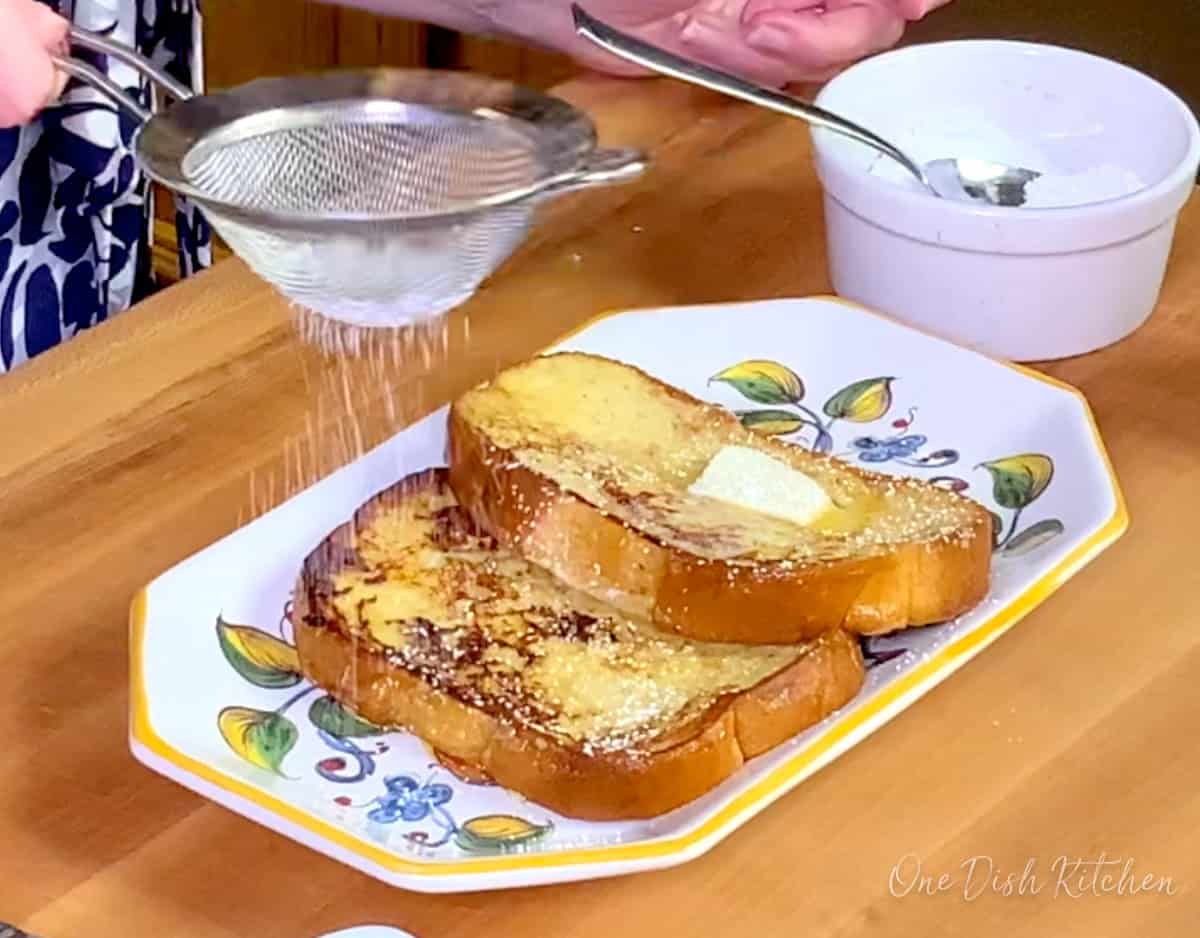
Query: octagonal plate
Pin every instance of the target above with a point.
(218, 706)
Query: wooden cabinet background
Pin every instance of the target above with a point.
(245, 39)
(279, 37)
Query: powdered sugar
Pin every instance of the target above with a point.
(1098, 184)
(959, 132)
(965, 133)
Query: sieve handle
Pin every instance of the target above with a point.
(123, 53)
(603, 168)
(105, 85)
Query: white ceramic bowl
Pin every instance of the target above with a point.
(1018, 283)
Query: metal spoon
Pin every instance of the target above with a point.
(964, 180)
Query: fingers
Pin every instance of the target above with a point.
(52, 32)
(710, 38)
(816, 43)
(28, 79)
(58, 84)
(774, 42)
(913, 10)
(910, 10)
(48, 27)
(706, 34)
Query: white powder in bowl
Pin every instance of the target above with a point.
(1098, 184)
(963, 133)
(956, 133)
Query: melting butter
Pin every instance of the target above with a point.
(751, 479)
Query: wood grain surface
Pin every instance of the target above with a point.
(133, 446)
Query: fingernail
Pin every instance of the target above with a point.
(770, 39)
(53, 97)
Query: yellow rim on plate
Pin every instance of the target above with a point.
(947, 659)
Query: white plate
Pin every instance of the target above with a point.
(872, 391)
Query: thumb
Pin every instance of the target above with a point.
(49, 30)
(47, 27)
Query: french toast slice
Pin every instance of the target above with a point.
(412, 617)
(584, 465)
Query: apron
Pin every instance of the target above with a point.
(76, 214)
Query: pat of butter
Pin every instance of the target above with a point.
(753, 480)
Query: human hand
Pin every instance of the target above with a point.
(29, 81)
(776, 42)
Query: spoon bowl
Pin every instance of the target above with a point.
(960, 179)
(972, 180)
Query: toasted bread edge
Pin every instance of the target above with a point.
(711, 600)
(671, 772)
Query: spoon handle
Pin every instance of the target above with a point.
(666, 63)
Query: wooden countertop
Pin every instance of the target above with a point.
(155, 434)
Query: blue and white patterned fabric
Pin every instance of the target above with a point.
(75, 211)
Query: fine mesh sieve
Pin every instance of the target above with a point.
(378, 197)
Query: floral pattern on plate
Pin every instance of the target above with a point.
(264, 739)
(229, 715)
(1017, 481)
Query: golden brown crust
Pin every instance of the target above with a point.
(661, 774)
(710, 599)
(602, 786)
